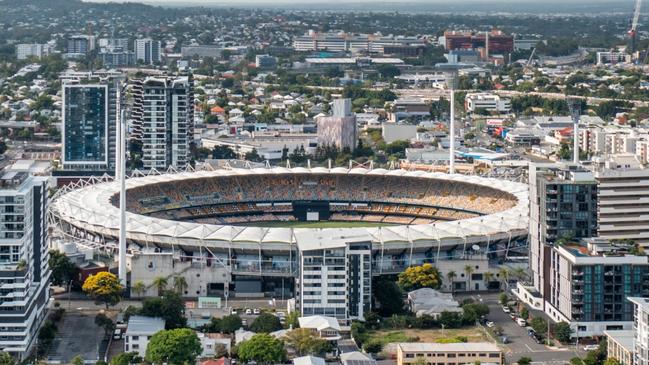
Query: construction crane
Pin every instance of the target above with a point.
(633, 31)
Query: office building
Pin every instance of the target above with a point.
(611, 57)
(167, 121)
(24, 272)
(449, 353)
(25, 50)
(339, 129)
(590, 282)
(139, 331)
(265, 61)
(623, 199)
(80, 45)
(367, 43)
(112, 43)
(117, 57)
(335, 275)
(563, 204)
(147, 50)
(489, 102)
(496, 42)
(641, 329)
(89, 121)
(201, 51)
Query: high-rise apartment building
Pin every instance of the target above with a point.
(25, 50)
(89, 122)
(335, 277)
(590, 282)
(641, 328)
(147, 50)
(339, 129)
(80, 45)
(563, 205)
(24, 273)
(167, 121)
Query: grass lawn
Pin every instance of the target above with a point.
(473, 334)
(319, 224)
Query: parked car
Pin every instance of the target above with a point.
(256, 311)
(521, 322)
(248, 311)
(591, 347)
(233, 311)
(505, 339)
(507, 310)
(117, 335)
(513, 316)
(490, 324)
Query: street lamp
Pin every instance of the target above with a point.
(451, 79)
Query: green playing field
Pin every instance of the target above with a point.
(319, 224)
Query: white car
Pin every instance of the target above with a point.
(507, 310)
(591, 347)
(256, 311)
(490, 324)
(248, 311)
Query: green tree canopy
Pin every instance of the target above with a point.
(305, 342)
(62, 268)
(389, 297)
(169, 306)
(266, 323)
(263, 349)
(177, 347)
(424, 276)
(230, 323)
(6, 359)
(562, 332)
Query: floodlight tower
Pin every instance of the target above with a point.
(451, 79)
(120, 174)
(633, 29)
(574, 104)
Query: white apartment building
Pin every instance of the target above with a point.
(38, 50)
(335, 275)
(623, 199)
(487, 101)
(24, 273)
(342, 42)
(147, 50)
(167, 121)
(139, 331)
(641, 328)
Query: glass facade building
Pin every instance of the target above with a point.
(85, 124)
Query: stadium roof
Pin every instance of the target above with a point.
(89, 208)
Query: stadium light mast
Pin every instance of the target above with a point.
(120, 173)
(574, 104)
(451, 79)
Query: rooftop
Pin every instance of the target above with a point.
(140, 325)
(449, 347)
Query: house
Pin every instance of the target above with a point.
(356, 358)
(139, 331)
(427, 301)
(241, 335)
(210, 342)
(308, 360)
(325, 327)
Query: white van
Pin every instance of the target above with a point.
(521, 322)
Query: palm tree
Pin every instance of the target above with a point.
(488, 276)
(468, 269)
(180, 284)
(504, 276)
(451, 275)
(161, 283)
(138, 288)
(519, 273)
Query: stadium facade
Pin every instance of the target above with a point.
(209, 226)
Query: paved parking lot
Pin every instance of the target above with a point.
(522, 345)
(77, 335)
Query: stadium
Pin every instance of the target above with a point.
(243, 230)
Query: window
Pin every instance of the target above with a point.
(494, 354)
(135, 346)
(135, 338)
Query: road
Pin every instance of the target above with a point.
(521, 345)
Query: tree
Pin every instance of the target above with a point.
(161, 283)
(525, 314)
(488, 277)
(503, 274)
(77, 360)
(101, 320)
(6, 359)
(468, 270)
(103, 287)
(524, 361)
(138, 288)
(177, 346)
(503, 298)
(230, 323)
(451, 276)
(180, 284)
(539, 325)
(562, 332)
(373, 346)
(450, 319)
(62, 268)
(169, 307)
(292, 320)
(305, 342)
(266, 323)
(424, 276)
(253, 156)
(124, 358)
(263, 349)
(612, 361)
(389, 297)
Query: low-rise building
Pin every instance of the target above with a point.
(325, 327)
(620, 346)
(356, 358)
(488, 102)
(308, 360)
(449, 353)
(139, 331)
(427, 301)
